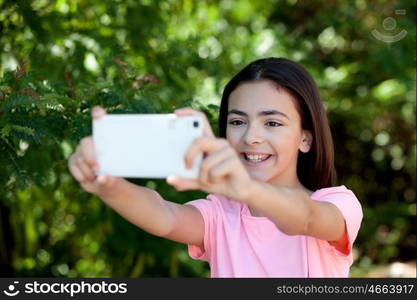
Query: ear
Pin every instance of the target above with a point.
(306, 141)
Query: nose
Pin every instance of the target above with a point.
(253, 136)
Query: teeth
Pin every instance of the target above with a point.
(256, 158)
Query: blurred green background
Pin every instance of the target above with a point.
(60, 58)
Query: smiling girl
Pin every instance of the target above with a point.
(273, 209)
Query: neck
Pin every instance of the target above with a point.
(289, 180)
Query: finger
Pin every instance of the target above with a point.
(88, 152)
(97, 112)
(183, 184)
(85, 169)
(202, 144)
(214, 158)
(186, 111)
(88, 186)
(78, 175)
(223, 169)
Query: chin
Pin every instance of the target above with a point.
(259, 177)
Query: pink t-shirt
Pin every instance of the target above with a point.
(237, 244)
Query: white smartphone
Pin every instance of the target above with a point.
(146, 145)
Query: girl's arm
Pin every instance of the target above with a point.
(141, 206)
(291, 209)
(295, 213)
(146, 209)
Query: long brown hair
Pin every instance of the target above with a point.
(315, 169)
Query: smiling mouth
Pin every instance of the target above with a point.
(257, 158)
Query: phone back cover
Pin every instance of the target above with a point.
(145, 145)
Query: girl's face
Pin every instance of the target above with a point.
(264, 127)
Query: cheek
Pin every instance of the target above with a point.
(286, 143)
(233, 136)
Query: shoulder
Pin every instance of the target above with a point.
(344, 199)
(216, 202)
(336, 194)
(224, 204)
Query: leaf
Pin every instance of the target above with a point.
(18, 101)
(27, 130)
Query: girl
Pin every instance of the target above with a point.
(272, 208)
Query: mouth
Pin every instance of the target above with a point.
(252, 159)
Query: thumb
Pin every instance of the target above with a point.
(101, 180)
(183, 184)
(98, 112)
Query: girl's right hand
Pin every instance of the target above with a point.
(83, 164)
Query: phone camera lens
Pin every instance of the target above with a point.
(195, 124)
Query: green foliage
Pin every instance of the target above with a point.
(61, 58)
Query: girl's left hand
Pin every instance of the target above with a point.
(221, 170)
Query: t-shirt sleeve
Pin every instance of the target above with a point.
(350, 207)
(206, 208)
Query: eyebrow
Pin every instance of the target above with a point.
(262, 113)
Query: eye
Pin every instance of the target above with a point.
(235, 122)
(273, 124)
